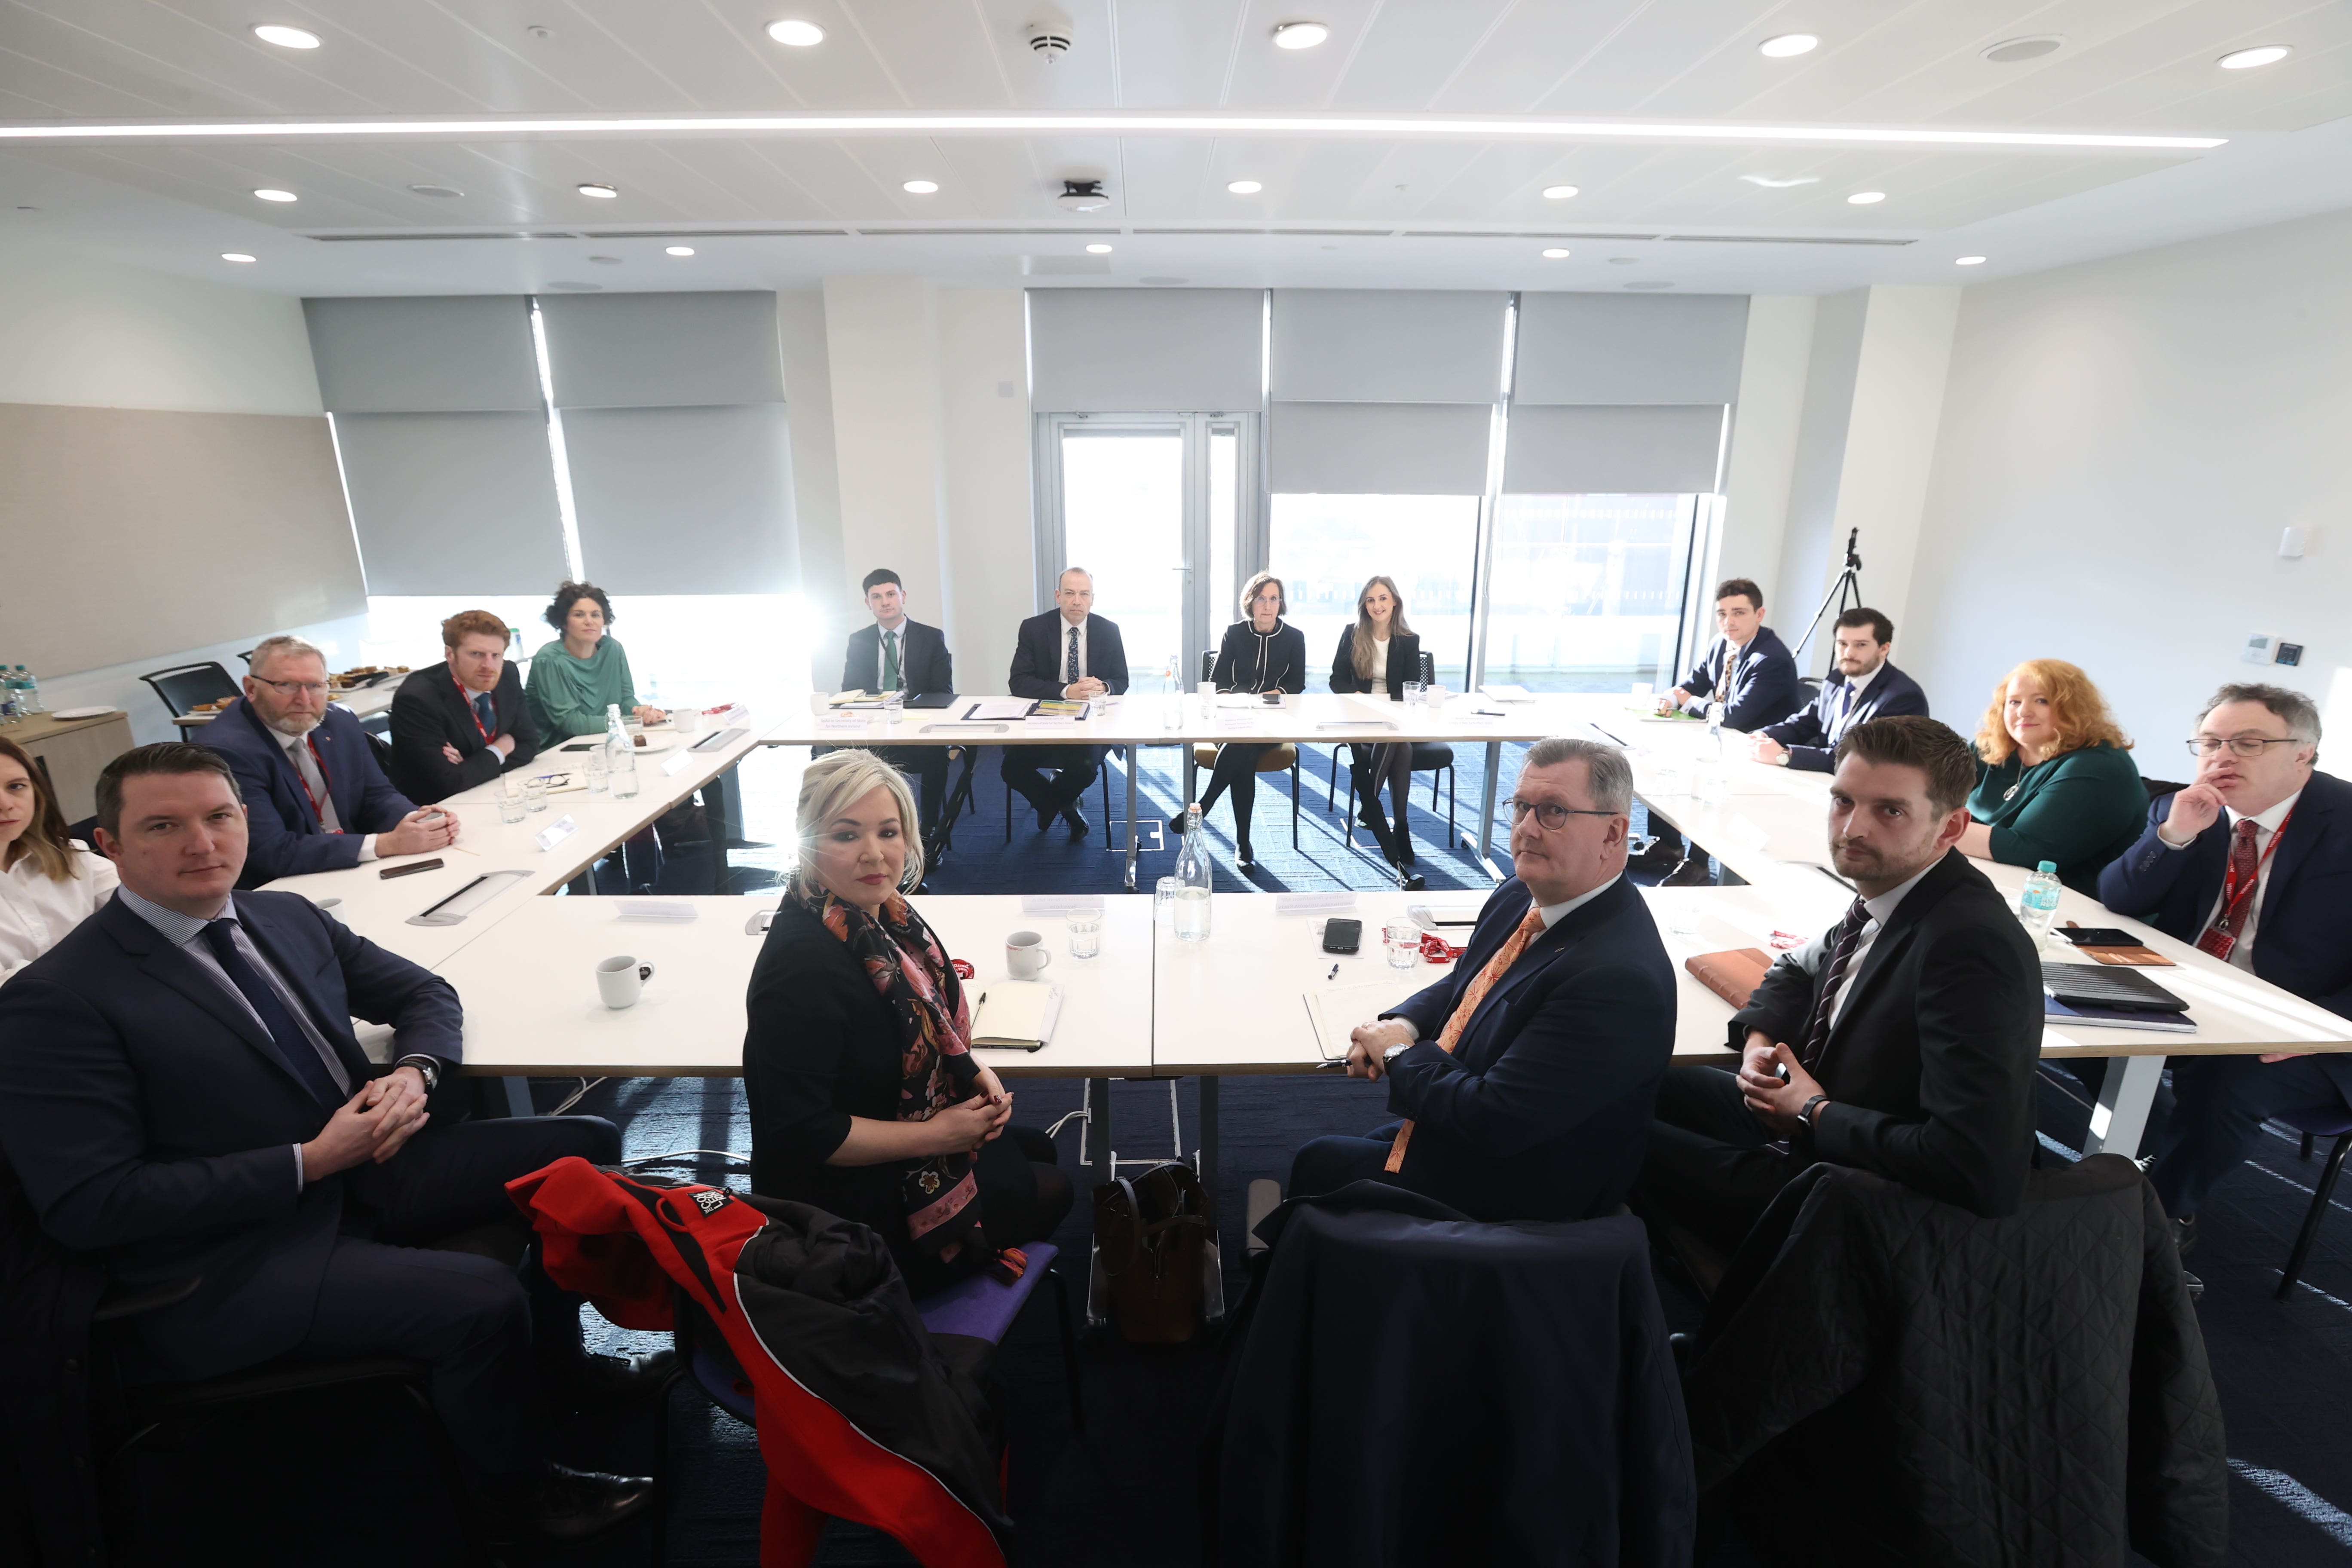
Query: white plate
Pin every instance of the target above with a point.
(98, 713)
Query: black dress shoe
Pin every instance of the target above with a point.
(556, 1502)
(1044, 820)
(1244, 856)
(1175, 827)
(1076, 819)
(614, 1378)
(2184, 1234)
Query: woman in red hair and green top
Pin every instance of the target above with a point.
(2054, 778)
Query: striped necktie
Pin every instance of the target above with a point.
(1070, 669)
(1843, 937)
(1530, 927)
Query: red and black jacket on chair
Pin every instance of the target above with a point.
(862, 1413)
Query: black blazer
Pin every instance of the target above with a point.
(283, 835)
(1040, 650)
(1929, 1070)
(924, 664)
(153, 1123)
(1404, 664)
(1764, 686)
(1543, 1110)
(429, 712)
(1251, 661)
(1806, 732)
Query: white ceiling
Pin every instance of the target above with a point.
(1407, 210)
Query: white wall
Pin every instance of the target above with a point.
(1818, 461)
(1764, 431)
(2121, 444)
(984, 405)
(816, 490)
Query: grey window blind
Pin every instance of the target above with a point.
(453, 503)
(1581, 349)
(440, 355)
(1387, 345)
(685, 500)
(663, 351)
(1612, 449)
(1379, 448)
(1146, 351)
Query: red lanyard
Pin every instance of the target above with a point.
(471, 713)
(2234, 901)
(325, 778)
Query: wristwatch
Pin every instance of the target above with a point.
(1390, 1056)
(426, 1068)
(1809, 1113)
(1782, 760)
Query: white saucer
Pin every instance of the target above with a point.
(98, 712)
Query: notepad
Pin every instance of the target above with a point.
(2053, 1011)
(1016, 1014)
(1337, 1011)
(991, 708)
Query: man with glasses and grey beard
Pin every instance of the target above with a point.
(315, 799)
(2252, 863)
(1525, 1076)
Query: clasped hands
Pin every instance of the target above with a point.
(381, 1115)
(1771, 1100)
(963, 1127)
(1085, 687)
(422, 831)
(1370, 1041)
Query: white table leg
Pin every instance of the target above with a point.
(2125, 1096)
(1483, 841)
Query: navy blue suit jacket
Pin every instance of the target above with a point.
(1806, 732)
(1543, 1110)
(2302, 933)
(153, 1123)
(924, 663)
(1764, 686)
(1039, 655)
(284, 838)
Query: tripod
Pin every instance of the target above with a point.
(1845, 594)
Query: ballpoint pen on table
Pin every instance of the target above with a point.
(1334, 974)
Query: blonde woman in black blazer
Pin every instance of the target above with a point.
(1375, 657)
(1261, 653)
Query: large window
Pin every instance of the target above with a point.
(1123, 517)
(1325, 546)
(1587, 591)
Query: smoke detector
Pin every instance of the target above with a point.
(1049, 37)
(1082, 196)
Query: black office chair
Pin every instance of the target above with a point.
(1274, 759)
(2158, 788)
(1808, 687)
(1430, 757)
(184, 686)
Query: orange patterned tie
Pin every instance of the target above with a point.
(1530, 927)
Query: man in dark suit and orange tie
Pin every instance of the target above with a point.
(1526, 1075)
(1067, 652)
(1862, 687)
(2252, 862)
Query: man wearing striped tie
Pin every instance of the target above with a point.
(1525, 1076)
(1902, 1040)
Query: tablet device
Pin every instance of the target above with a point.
(931, 698)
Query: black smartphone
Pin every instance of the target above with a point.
(389, 872)
(2099, 936)
(1342, 935)
(580, 746)
(1270, 699)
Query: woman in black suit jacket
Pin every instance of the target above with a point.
(1375, 657)
(1261, 653)
(867, 1100)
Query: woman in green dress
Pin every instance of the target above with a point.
(575, 678)
(2054, 779)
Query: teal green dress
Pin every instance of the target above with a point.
(568, 696)
(2082, 809)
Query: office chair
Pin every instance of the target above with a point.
(184, 686)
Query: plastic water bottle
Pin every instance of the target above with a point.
(1193, 882)
(1172, 697)
(620, 756)
(2037, 907)
(29, 693)
(9, 712)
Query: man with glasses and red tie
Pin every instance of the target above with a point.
(315, 799)
(466, 722)
(2252, 862)
(1525, 1076)
(1901, 1041)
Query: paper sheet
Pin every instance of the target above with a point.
(1337, 1011)
(993, 709)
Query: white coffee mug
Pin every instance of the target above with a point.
(685, 720)
(1433, 695)
(622, 980)
(1025, 957)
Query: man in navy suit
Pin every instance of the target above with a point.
(1526, 1075)
(181, 1096)
(315, 799)
(2252, 862)
(466, 722)
(1749, 673)
(1864, 686)
(898, 653)
(1068, 651)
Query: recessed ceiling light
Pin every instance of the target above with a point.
(1865, 199)
(443, 192)
(1788, 44)
(603, 193)
(1778, 182)
(235, 255)
(605, 260)
(1301, 35)
(920, 187)
(1969, 261)
(678, 251)
(1245, 187)
(1559, 192)
(1555, 254)
(270, 196)
(1097, 250)
(2247, 59)
(286, 38)
(799, 34)
(2016, 51)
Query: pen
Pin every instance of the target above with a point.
(1334, 974)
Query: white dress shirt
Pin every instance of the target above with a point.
(1882, 909)
(36, 911)
(297, 752)
(2266, 827)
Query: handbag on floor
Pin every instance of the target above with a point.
(1149, 1236)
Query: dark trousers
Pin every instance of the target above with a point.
(2219, 1104)
(1023, 1198)
(928, 766)
(1237, 770)
(1325, 1164)
(468, 1318)
(1390, 762)
(1022, 771)
(1710, 1165)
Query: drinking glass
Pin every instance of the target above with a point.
(600, 771)
(1163, 900)
(511, 800)
(1085, 933)
(894, 707)
(1402, 940)
(1412, 690)
(534, 792)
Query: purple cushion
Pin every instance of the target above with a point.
(984, 1307)
(2324, 1121)
(719, 1384)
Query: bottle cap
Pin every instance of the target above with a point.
(2049, 865)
